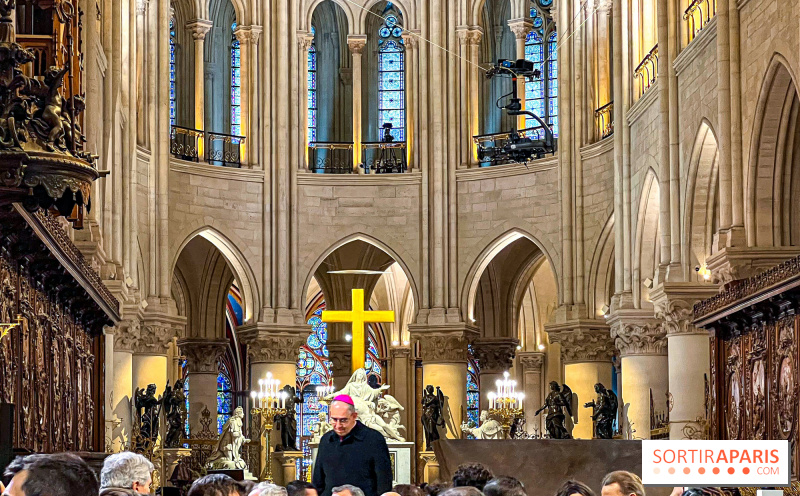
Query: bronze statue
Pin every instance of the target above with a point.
(147, 413)
(174, 406)
(432, 417)
(287, 423)
(604, 412)
(559, 399)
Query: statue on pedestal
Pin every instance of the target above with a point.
(559, 400)
(432, 417)
(287, 423)
(320, 428)
(147, 412)
(227, 453)
(488, 429)
(174, 405)
(604, 412)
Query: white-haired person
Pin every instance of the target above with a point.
(126, 474)
(267, 489)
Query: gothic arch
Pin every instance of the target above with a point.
(343, 4)
(701, 200)
(647, 245)
(470, 286)
(238, 264)
(601, 271)
(520, 9)
(772, 147)
(408, 15)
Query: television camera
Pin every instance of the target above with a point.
(523, 145)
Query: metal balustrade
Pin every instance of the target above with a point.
(604, 120)
(330, 157)
(647, 71)
(697, 15)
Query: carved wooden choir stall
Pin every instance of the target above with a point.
(755, 365)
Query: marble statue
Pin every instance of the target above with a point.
(604, 412)
(227, 453)
(320, 428)
(432, 415)
(488, 429)
(389, 409)
(366, 399)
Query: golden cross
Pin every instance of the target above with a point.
(358, 316)
(6, 328)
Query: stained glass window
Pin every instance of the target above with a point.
(541, 48)
(391, 74)
(473, 392)
(224, 397)
(185, 376)
(312, 91)
(236, 85)
(173, 109)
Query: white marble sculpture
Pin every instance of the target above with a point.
(489, 428)
(320, 428)
(227, 453)
(370, 410)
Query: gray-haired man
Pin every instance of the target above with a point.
(126, 474)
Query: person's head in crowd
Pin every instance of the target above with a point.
(247, 486)
(126, 470)
(343, 415)
(504, 486)
(390, 493)
(462, 491)
(437, 488)
(216, 485)
(301, 488)
(50, 475)
(347, 490)
(575, 488)
(267, 489)
(472, 474)
(408, 490)
(622, 483)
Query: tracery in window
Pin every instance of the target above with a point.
(236, 84)
(473, 391)
(312, 90)
(173, 107)
(541, 48)
(391, 74)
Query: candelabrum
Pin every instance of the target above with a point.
(268, 402)
(323, 391)
(506, 404)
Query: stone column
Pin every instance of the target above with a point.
(201, 363)
(532, 364)
(150, 356)
(401, 379)
(357, 44)
(304, 42)
(411, 41)
(689, 351)
(340, 354)
(121, 392)
(244, 34)
(469, 38)
(199, 29)
(444, 364)
(521, 28)
(141, 35)
(586, 353)
(642, 345)
(495, 356)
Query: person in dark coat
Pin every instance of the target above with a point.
(351, 453)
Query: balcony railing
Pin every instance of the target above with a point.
(382, 157)
(604, 120)
(647, 71)
(224, 149)
(330, 157)
(697, 15)
(184, 143)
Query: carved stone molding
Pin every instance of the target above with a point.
(126, 337)
(604, 6)
(639, 339)
(580, 344)
(304, 40)
(469, 35)
(199, 28)
(444, 348)
(154, 339)
(340, 354)
(494, 355)
(531, 361)
(411, 39)
(248, 34)
(520, 27)
(400, 352)
(674, 304)
(356, 43)
(735, 264)
(202, 354)
(274, 348)
(141, 6)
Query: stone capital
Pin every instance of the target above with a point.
(126, 336)
(531, 361)
(735, 263)
(400, 352)
(582, 341)
(674, 305)
(247, 34)
(304, 40)
(637, 332)
(356, 43)
(495, 355)
(340, 355)
(411, 39)
(444, 343)
(604, 6)
(199, 28)
(141, 6)
(273, 343)
(469, 35)
(202, 354)
(156, 333)
(520, 27)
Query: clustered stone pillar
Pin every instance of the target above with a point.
(521, 28)
(402, 382)
(357, 44)
(124, 344)
(199, 29)
(532, 364)
(304, 42)
(340, 354)
(411, 42)
(642, 345)
(495, 356)
(202, 371)
(150, 356)
(586, 354)
(469, 38)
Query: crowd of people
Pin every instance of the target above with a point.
(130, 474)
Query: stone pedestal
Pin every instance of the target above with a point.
(431, 471)
(532, 364)
(172, 456)
(287, 460)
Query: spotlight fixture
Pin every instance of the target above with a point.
(541, 347)
(605, 309)
(648, 283)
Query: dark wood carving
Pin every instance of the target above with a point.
(51, 365)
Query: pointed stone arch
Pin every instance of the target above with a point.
(701, 204)
(647, 245)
